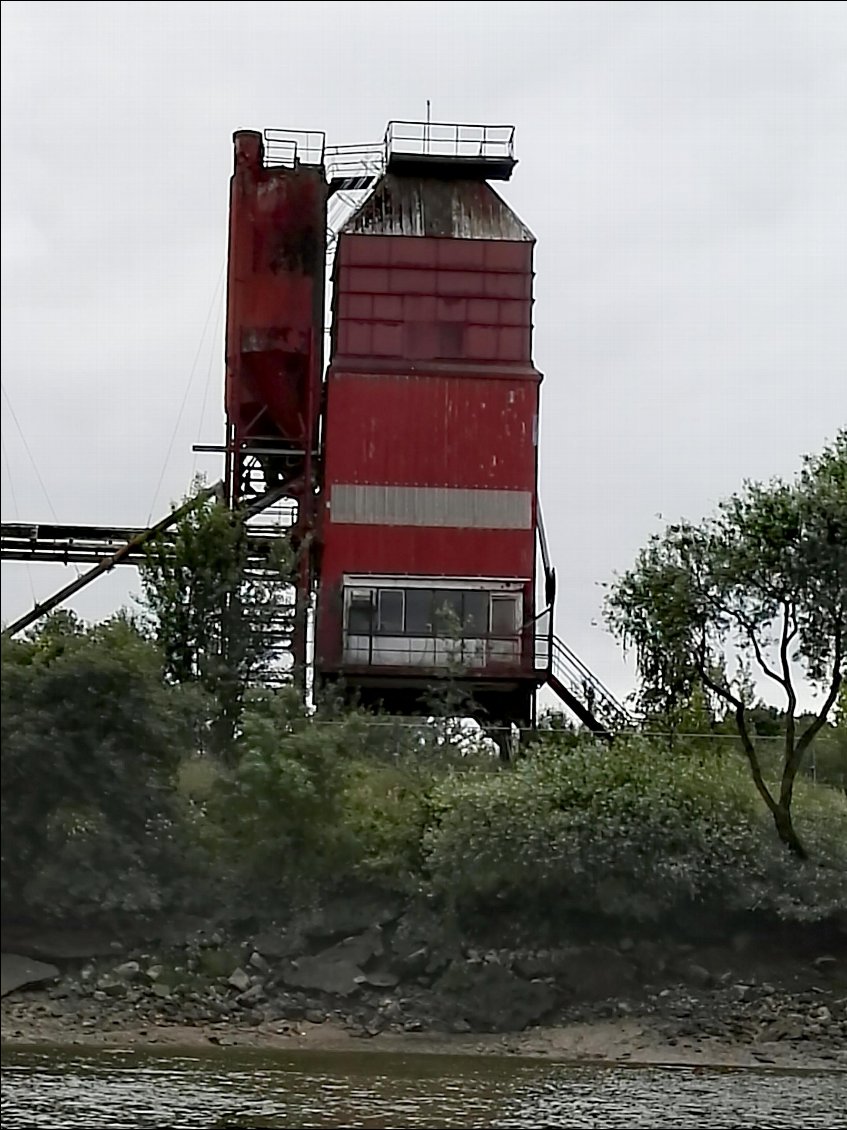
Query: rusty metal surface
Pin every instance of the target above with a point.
(430, 206)
(275, 297)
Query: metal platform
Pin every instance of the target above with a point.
(441, 150)
(447, 150)
(89, 545)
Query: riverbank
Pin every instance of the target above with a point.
(372, 973)
(630, 1041)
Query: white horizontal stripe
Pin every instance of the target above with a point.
(431, 506)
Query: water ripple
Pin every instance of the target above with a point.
(53, 1088)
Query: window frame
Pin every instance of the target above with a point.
(368, 606)
(358, 599)
(501, 599)
(381, 629)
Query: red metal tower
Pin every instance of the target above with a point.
(428, 509)
(407, 480)
(274, 337)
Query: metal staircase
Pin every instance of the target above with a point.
(583, 693)
(564, 672)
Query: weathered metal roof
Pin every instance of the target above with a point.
(426, 206)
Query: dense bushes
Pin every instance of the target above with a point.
(107, 806)
(636, 831)
(91, 741)
(333, 795)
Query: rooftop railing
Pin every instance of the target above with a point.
(289, 148)
(403, 140)
(448, 140)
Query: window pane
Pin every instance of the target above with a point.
(503, 615)
(448, 611)
(418, 612)
(475, 617)
(360, 613)
(391, 610)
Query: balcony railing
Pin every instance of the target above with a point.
(489, 654)
(350, 162)
(448, 140)
(289, 148)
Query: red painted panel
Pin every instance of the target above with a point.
(412, 252)
(431, 431)
(369, 249)
(462, 253)
(388, 307)
(367, 280)
(382, 279)
(358, 337)
(485, 311)
(514, 313)
(501, 255)
(420, 308)
(424, 551)
(501, 285)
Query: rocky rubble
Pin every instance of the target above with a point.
(410, 970)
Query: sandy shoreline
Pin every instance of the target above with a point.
(406, 988)
(627, 1041)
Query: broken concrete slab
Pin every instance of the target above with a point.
(239, 980)
(18, 972)
(325, 975)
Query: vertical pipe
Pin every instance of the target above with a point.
(306, 524)
(229, 466)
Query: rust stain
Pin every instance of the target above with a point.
(425, 206)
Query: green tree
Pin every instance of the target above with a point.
(91, 739)
(764, 578)
(218, 611)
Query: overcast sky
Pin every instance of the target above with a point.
(683, 165)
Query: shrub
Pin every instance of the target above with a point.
(91, 739)
(329, 797)
(633, 831)
(278, 810)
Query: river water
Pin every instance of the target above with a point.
(232, 1087)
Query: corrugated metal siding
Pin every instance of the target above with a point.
(473, 432)
(431, 506)
(430, 551)
(426, 206)
(431, 299)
